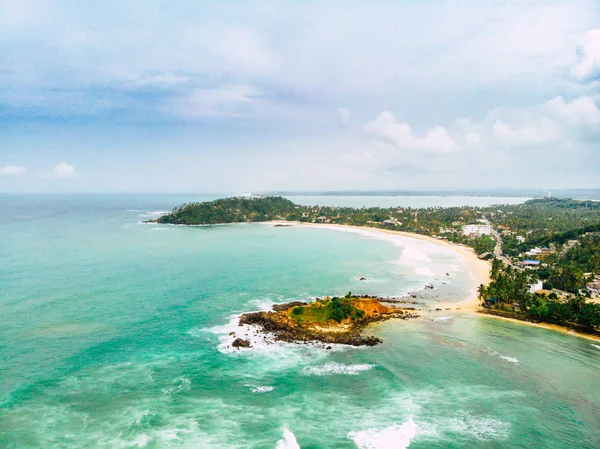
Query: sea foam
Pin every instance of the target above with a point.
(490, 351)
(264, 343)
(288, 441)
(336, 368)
(393, 437)
(257, 389)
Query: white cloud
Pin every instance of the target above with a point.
(225, 101)
(581, 111)
(64, 170)
(400, 135)
(12, 170)
(556, 122)
(345, 116)
(245, 49)
(523, 135)
(588, 64)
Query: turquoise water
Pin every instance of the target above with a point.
(115, 334)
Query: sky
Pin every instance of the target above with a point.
(246, 96)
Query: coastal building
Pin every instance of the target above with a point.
(391, 222)
(528, 263)
(520, 239)
(594, 287)
(477, 230)
(539, 252)
(536, 287)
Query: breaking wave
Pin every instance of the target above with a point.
(336, 368)
(393, 437)
(288, 441)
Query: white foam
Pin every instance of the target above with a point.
(141, 441)
(264, 343)
(423, 271)
(180, 384)
(160, 212)
(336, 368)
(255, 389)
(288, 441)
(595, 346)
(479, 428)
(502, 357)
(393, 437)
(443, 319)
(159, 229)
(413, 253)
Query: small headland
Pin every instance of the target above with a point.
(330, 320)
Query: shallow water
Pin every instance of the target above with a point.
(113, 334)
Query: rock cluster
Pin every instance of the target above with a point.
(282, 327)
(241, 343)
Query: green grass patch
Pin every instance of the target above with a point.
(323, 310)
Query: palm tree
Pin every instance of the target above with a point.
(481, 290)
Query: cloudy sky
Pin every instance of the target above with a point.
(189, 96)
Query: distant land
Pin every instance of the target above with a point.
(582, 194)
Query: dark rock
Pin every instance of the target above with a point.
(241, 343)
(362, 279)
(281, 328)
(289, 305)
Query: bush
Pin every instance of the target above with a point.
(297, 310)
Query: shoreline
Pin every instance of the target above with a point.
(479, 269)
(480, 273)
(549, 326)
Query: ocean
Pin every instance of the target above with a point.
(116, 334)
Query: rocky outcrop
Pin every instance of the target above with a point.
(282, 325)
(287, 306)
(241, 343)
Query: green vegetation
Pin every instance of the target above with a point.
(509, 292)
(544, 222)
(325, 309)
(565, 235)
(483, 244)
(231, 210)
(566, 270)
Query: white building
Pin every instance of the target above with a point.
(477, 229)
(594, 287)
(536, 287)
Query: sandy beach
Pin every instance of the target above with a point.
(480, 274)
(479, 269)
